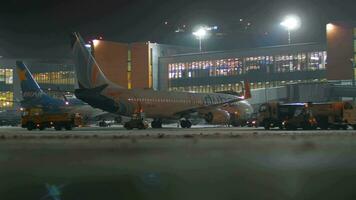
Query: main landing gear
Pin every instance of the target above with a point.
(156, 123)
(185, 123)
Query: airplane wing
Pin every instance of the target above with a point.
(104, 115)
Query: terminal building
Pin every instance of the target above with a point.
(6, 84)
(263, 67)
(299, 72)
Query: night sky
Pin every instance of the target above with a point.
(41, 28)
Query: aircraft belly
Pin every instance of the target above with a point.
(164, 110)
(161, 111)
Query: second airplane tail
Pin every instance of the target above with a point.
(29, 87)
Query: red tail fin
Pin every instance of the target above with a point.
(247, 88)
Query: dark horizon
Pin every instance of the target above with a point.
(42, 28)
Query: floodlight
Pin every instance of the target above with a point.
(291, 23)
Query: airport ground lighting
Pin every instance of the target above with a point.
(291, 23)
(200, 34)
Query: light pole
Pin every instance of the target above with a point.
(200, 34)
(290, 23)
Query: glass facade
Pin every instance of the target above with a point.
(210, 68)
(57, 78)
(6, 88)
(242, 66)
(6, 100)
(6, 76)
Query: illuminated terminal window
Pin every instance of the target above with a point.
(223, 67)
(236, 66)
(6, 76)
(6, 100)
(309, 61)
(60, 78)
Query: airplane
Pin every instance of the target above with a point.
(100, 92)
(34, 97)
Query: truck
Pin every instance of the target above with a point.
(302, 118)
(330, 115)
(36, 118)
(349, 114)
(286, 116)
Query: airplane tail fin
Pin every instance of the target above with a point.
(88, 72)
(247, 88)
(29, 86)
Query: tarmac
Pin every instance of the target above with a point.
(171, 163)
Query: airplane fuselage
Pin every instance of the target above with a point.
(155, 104)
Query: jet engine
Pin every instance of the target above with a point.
(217, 116)
(240, 112)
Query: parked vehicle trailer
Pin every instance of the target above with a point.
(329, 115)
(35, 118)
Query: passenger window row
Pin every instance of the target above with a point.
(163, 100)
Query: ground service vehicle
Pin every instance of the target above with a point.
(330, 115)
(302, 118)
(35, 118)
(349, 114)
(137, 121)
(288, 116)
